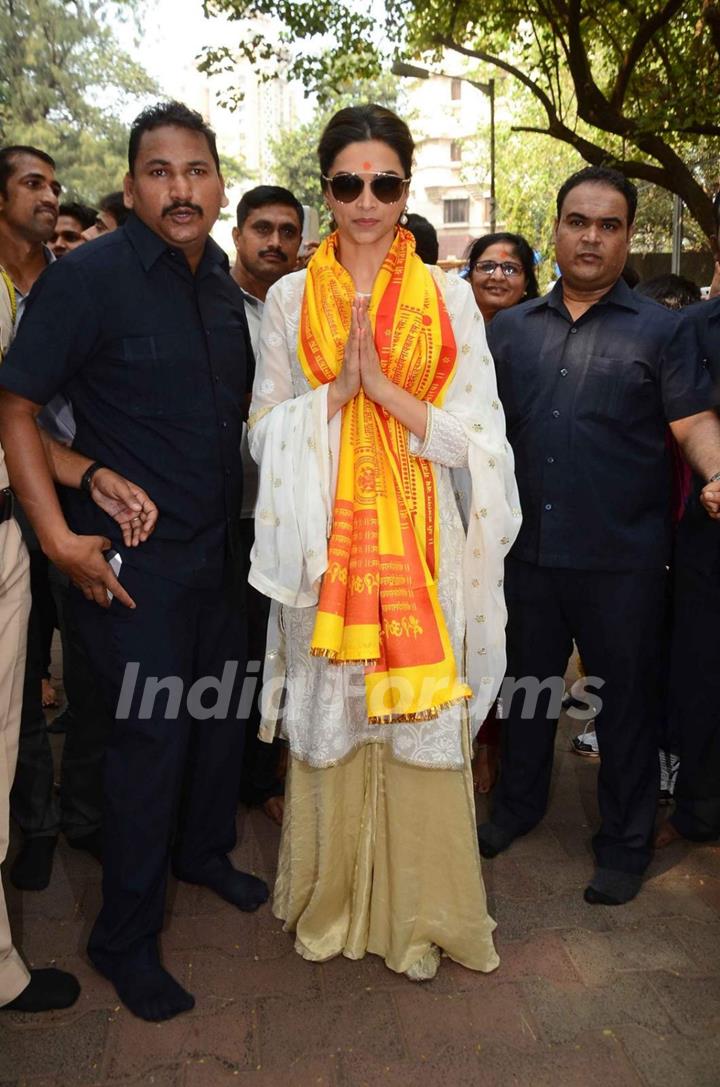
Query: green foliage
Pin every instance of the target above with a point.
(632, 85)
(64, 80)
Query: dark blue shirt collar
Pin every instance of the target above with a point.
(149, 246)
(618, 295)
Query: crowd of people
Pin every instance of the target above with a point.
(392, 498)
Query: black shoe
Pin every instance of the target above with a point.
(33, 865)
(149, 992)
(47, 990)
(91, 843)
(492, 840)
(241, 889)
(610, 887)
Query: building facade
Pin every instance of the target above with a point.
(450, 122)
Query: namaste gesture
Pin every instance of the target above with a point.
(361, 365)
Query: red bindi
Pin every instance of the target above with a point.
(367, 165)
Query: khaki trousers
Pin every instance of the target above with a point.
(14, 611)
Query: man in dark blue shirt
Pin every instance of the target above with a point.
(589, 377)
(144, 330)
(695, 657)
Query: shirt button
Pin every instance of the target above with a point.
(563, 372)
(217, 377)
(573, 330)
(223, 425)
(548, 505)
(556, 414)
(550, 460)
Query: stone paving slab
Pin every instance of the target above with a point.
(584, 995)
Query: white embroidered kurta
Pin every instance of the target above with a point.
(324, 713)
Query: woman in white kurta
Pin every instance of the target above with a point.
(379, 849)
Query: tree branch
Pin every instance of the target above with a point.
(592, 105)
(699, 130)
(503, 65)
(711, 18)
(600, 156)
(646, 31)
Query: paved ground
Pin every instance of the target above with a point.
(584, 995)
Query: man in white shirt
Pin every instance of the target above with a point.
(267, 241)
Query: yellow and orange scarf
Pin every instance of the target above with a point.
(378, 601)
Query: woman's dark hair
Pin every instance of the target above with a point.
(524, 254)
(674, 292)
(355, 124)
(427, 246)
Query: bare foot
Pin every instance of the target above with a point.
(667, 834)
(274, 808)
(485, 767)
(49, 694)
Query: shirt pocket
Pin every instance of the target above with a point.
(160, 376)
(621, 390)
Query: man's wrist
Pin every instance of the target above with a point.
(55, 543)
(87, 476)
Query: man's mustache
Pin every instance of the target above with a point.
(183, 205)
(274, 252)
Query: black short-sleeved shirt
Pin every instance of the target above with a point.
(157, 364)
(586, 404)
(698, 542)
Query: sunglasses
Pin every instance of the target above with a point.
(487, 267)
(387, 188)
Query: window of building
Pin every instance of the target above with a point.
(456, 211)
(455, 151)
(455, 89)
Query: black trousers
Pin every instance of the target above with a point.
(172, 763)
(87, 724)
(695, 700)
(616, 620)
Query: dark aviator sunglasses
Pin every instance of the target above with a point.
(387, 188)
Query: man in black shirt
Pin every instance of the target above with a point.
(145, 332)
(589, 377)
(695, 657)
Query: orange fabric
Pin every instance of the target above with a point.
(378, 601)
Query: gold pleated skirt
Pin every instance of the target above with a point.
(381, 856)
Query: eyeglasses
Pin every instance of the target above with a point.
(487, 267)
(387, 188)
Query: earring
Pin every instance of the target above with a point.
(403, 219)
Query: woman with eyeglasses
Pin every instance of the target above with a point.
(373, 380)
(501, 270)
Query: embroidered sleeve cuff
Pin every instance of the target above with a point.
(419, 447)
(445, 440)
